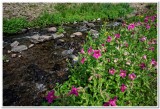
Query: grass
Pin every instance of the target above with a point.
(97, 79)
(69, 12)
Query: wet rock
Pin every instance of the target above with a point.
(9, 51)
(19, 56)
(24, 30)
(52, 29)
(114, 24)
(76, 34)
(41, 87)
(99, 19)
(74, 58)
(19, 48)
(85, 22)
(38, 39)
(55, 36)
(67, 52)
(83, 28)
(13, 55)
(31, 45)
(94, 33)
(61, 40)
(14, 44)
(90, 24)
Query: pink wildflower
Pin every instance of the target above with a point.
(122, 73)
(148, 26)
(132, 76)
(117, 36)
(142, 65)
(131, 26)
(83, 59)
(111, 102)
(82, 51)
(109, 39)
(51, 97)
(151, 48)
(123, 87)
(144, 57)
(112, 71)
(153, 62)
(143, 38)
(97, 54)
(74, 91)
(90, 51)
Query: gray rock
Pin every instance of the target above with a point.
(74, 22)
(52, 29)
(31, 45)
(114, 24)
(19, 48)
(41, 87)
(55, 36)
(85, 21)
(90, 24)
(74, 58)
(99, 19)
(67, 52)
(83, 28)
(38, 39)
(24, 30)
(14, 44)
(94, 33)
(13, 55)
(61, 40)
(76, 34)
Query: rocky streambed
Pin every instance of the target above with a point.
(37, 59)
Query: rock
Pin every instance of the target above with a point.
(13, 55)
(24, 30)
(114, 24)
(75, 58)
(31, 45)
(52, 29)
(83, 28)
(76, 34)
(94, 33)
(61, 40)
(41, 87)
(74, 22)
(19, 56)
(19, 48)
(90, 24)
(55, 36)
(99, 19)
(67, 52)
(85, 21)
(8, 51)
(38, 39)
(14, 44)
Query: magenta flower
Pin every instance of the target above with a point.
(74, 91)
(109, 39)
(142, 65)
(112, 71)
(90, 51)
(82, 51)
(132, 76)
(153, 18)
(50, 97)
(97, 54)
(117, 36)
(148, 26)
(111, 102)
(122, 73)
(153, 62)
(144, 57)
(143, 38)
(151, 48)
(131, 26)
(103, 45)
(123, 87)
(146, 19)
(83, 59)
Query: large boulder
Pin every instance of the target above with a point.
(37, 38)
(19, 48)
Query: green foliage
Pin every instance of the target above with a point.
(14, 25)
(69, 12)
(60, 30)
(96, 85)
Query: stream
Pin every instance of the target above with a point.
(28, 74)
